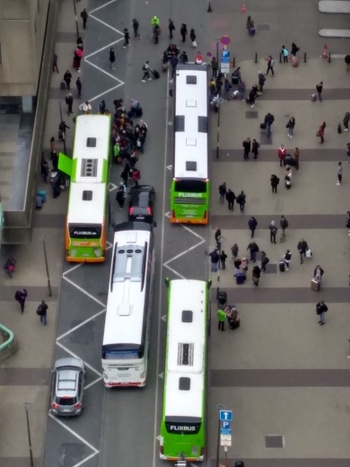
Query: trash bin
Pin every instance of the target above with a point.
(234, 79)
(222, 297)
(239, 464)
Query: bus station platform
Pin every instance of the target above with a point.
(334, 6)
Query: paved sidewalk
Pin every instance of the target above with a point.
(26, 376)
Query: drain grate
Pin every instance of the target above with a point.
(274, 441)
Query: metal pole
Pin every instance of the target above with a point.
(47, 268)
(76, 17)
(225, 448)
(218, 407)
(29, 437)
(217, 52)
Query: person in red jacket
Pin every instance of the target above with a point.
(281, 153)
(199, 59)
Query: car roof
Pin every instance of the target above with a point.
(142, 188)
(69, 362)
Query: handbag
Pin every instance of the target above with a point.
(308, 253)
(318, 133)
(194, 44)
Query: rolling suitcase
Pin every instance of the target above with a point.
(155, 74)
(315, 285)
(222, 297)
(282, 266)
(240, 278)
(294, 61)
(263, 126)
(252, 31)
(63, 85)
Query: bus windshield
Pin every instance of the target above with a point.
(183, 425)
(85, 231)
(190, 186)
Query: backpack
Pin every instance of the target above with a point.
(318, 309)
(272, 62)
(144, 68)
(17, 295)
(274, 229)
(39, 310)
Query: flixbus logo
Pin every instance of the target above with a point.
(189, 195)
(182, 428)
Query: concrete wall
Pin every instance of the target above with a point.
(22, 31)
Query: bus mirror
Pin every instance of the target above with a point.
(209, 283)
(167, 281)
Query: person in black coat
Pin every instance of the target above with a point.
(246, 147)
(302, 248)
(230, 198)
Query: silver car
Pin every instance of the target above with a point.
(68, 378)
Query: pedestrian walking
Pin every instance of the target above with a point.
(319, 89)
(21, 296)
(321, 309)
(281, 154)
(252, 224)
(261, 81)
(256, 275)
(102, 107)
(255, 148)
(250, 26)
(67, 77)
(290, 127)
(218, 83)
(217, 236)
(296, 156)
(246, 148)
(222, 192)
(320, 132)
(302, 248)
(274, 180)
(55, 63)
(212, 88)
(234, 251)
(87, 108)
(253, 249)
(146, 70)
(288, 178)
(111, 57)
(126, 38)
(223, 258)
(135, 26)
(284, 225)
(340, 173)
(42, 312)
(174, 61)
(346, 121)
(264, 261)
(69, 102)
(284, 54)
(214, 260)
(241, 200)
(44, 169)
(84, 16)
(214, 67)
(183, 32)
(286, 258)
(79, 86)
(273, 231)
(221, 319)
(171, 28)
(270, 66)
(62, 133)
(318, 273)
(268, 121)
(227, 88)
(252, 96)
(193, 38)
(120, 195)
(230, 198)
(294, 49)
(155, 21)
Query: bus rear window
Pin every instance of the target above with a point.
(182, 428)
(119, 352)
(85, 231)
(190, 186)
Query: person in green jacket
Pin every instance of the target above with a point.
(222, 319)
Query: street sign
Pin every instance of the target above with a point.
(225, 415)
(225, 40)
(226, 431)
(225, 68)
(225, 440)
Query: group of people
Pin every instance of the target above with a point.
(229, 314)
(228, 194)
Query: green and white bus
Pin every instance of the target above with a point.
(86, 224)
(189, 192)
(183, 424)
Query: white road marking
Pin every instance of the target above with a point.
(77, 356)
(84, 291)
(81, 324)
(93, 383)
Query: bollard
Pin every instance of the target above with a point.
(209, 10)
(233, 62)
(305, 57)
(280, 58)
(329, 58)
(256, 57)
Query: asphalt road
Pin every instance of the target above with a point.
(119, 427)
